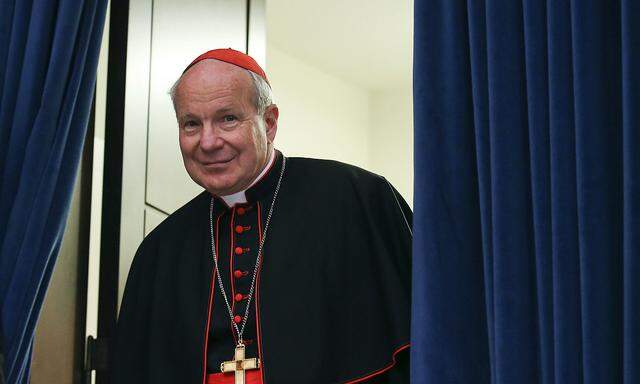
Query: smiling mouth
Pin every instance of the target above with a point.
(216, 163)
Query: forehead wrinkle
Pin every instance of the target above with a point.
(212, 102)
(207, 95)
(211, 80)
(214, 74)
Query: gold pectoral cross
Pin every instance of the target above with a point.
(239, 364)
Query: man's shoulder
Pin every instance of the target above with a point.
(335, 182)
(331, 170)
(181, 219)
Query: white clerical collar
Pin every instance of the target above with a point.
(241, 197)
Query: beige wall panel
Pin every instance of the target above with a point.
(180, 32)
(152, 218)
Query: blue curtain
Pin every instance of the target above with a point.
(48, 59)
(527, 192)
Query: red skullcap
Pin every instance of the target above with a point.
(234, 57)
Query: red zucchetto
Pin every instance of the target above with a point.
(234, 57)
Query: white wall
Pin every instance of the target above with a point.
(321, 115)
(392, 138)
(325, 116)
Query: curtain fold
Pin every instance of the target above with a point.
(48, 68)
(630, 53)
(527, 192)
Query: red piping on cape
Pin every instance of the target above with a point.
(256, 303)
(212, 287)
(233, 286)
(383, 370)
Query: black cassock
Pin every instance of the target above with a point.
(332, 298)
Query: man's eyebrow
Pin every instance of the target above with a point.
(219, 112)
(188, 116)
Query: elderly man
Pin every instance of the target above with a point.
(284, 270)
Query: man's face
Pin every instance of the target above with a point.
(224, 142)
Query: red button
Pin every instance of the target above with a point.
(239, 229)
(237, 274)
(241, 211)
(238, 250)
(238, 297)
(237, 319)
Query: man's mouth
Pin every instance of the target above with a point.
(216, 162)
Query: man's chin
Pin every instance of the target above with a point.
(220, 184)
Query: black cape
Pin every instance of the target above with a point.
(332, 299)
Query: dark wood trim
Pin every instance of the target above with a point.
(246, 41)
(86, 177)
(112, 180)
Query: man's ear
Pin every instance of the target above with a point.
(271, 121)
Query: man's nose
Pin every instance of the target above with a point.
(211, 138)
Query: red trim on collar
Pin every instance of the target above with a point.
(382, 370)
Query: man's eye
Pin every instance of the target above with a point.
(190, 124)
(229, 118)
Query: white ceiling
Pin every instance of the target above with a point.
(367, 42)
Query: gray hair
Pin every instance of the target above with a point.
(263, 96)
